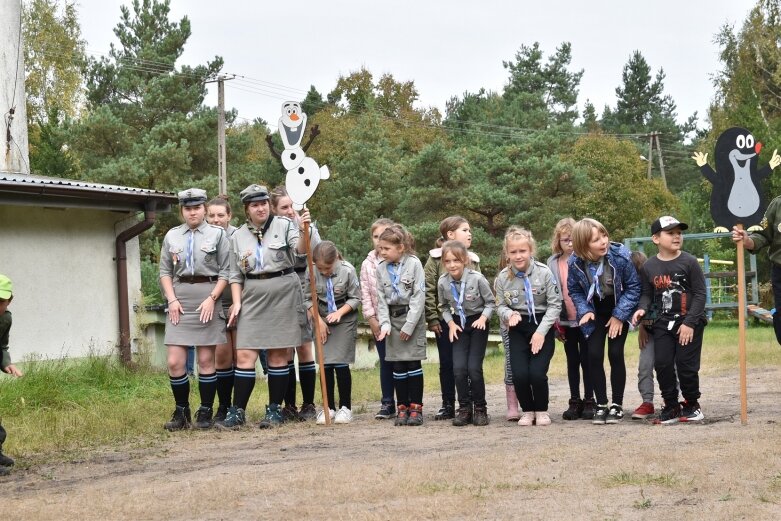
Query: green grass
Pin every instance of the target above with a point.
(68, 405)
(624, 478)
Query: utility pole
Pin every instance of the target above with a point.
(14, 152)
(661, 159)
(650, 154)
(653, 139)
(222, 174)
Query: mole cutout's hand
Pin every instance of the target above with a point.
(775, 160)
(700, 158)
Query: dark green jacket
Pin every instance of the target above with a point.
(5, 328)
(770, 234)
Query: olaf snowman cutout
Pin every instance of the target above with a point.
(303, 173)
(736, 197)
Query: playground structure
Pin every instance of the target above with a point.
(720, 286)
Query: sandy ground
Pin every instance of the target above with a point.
(372, 470)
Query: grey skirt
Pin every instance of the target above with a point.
(397, 350)
(272, 313)
(227, 301)
(340, 346)
(306, 331)
(190, 331)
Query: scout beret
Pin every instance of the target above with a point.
(254, 193)
(192, 197)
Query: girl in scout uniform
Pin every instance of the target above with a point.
(528, 299)
(369, 305)
(194, 263)
(454, 228)
(218, 213)
(267, 302)
(466, 304)
(282, 205)
(400, 301)
(605, 288)
(336, 307)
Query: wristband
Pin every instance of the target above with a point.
(172, 301)
(214, 298)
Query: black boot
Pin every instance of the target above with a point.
(588, 409)
(221, 414)
(463, 416)
(5, 461)
(446, 412)
(180, 419)
(480, 417)
(203, 418)
(575, 409)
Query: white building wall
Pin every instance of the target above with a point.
(61, 262)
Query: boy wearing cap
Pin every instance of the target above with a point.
(6, 296)
(675, 284)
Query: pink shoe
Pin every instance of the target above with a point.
(527, 419)
(513, 414)
(542, 418)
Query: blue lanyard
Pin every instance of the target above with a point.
(596, 272)
(395, 277)
(527, 290)
(189, 261)
(329, 295)
(458, 296)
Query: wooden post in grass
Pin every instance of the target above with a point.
(742, 330)
(316, 325)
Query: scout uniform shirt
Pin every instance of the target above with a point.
(274, 252)
(511, 295)
(407, 289)
(346, 289)
(434, 270)
(472, 294)
(203, 252)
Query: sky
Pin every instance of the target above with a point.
(446, 47)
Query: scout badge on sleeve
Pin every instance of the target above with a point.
(737, 201)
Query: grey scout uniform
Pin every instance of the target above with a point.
(210, 253)
(407, 302)
(340, 346)
(278, 249)
(511, 296)
(477, 296)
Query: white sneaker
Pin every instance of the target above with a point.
(321, 416)
(343, 415)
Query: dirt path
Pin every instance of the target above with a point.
(371, 470)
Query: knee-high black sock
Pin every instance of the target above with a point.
(400, 383)
(415, 382)
(207, 387)
(180, 386)
(329, 385)
(344, 380)
(243, 384)
(277, 383)
(225, 386)
(290, 393)
(307, 377)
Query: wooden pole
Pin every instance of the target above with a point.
(221, 170)
(650, 154)
(661, 159)
(316, 324)
(742, 331)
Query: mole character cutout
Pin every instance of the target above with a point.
(736, 197)
(303, 173)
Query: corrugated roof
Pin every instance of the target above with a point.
(58, 181)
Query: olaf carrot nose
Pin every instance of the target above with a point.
(294, 117)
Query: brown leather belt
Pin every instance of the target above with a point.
(271, 275)
(197, 279)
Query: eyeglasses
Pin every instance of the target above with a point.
(565, 241)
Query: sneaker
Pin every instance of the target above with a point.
(527, 419)
(203, 418)
(401, 415)
(615, 414)
(541, 418)
(691, 412)
(415, 417)
(343, 416)
(180, 419)
(480, 417)
(321, 416)
(221, 414)
(463, 416)
(446, 412)
(289, 413)
(645, 410)
(386, 412)
(670, 414)
(234, 419)
(575, 409)
(588, 409)
(273, 417)
(307, 412)
(600, 415)
(5, 461)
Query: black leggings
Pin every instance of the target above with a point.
(615, 354)
(576, 349)
(345, 381)
(530, 371)
(468, 355)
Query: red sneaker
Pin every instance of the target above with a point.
(645, 410)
